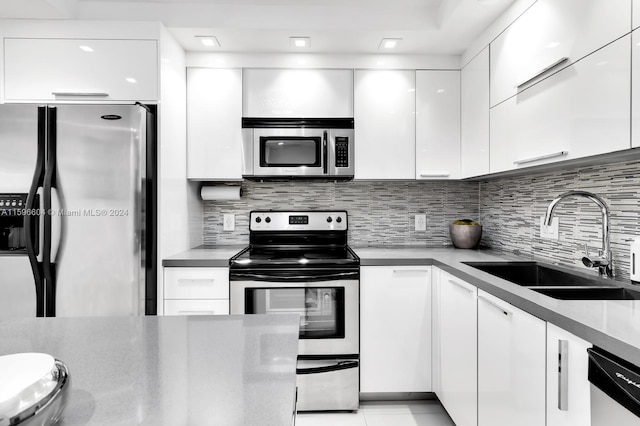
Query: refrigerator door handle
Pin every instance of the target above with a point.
(56, 214)
(34, 219)
(49, 184)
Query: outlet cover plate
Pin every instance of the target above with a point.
(229, 223)
(549, 232)
(421, 222)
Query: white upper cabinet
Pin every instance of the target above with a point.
(550, 35)
(437, 124)
(474, 127)
(214, 117)
(297, 93)
(635, 88)
(636, 14)
(568, 387)
(580, 111)
(80, 70)
(511, 365)
(385, 124)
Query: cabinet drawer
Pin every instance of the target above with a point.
(196, 283)
(77, 69)
(548, 32)
(196, 307)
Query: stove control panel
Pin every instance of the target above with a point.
(298, 221)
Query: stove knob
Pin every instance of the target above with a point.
(338, 219)
(258, 220)
(329, 219)
(268, 219)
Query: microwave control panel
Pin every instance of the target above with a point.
(342, 151)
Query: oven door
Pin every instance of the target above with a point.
(290, 152)
(328, 310)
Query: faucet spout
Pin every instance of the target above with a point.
(604, 260)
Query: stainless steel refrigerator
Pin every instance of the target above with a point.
(77, 210)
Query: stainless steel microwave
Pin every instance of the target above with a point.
(277, 148)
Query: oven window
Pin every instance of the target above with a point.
(290, 151)
(321, 309)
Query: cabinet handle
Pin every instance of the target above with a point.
(191, 281)
(434, 175)
(81, 94)
(542, 157)
(543, 71)
(563, 375)
(495, 305)
(400, 271)
(196, 313)
(457, 284)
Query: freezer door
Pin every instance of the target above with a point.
(18, 147)
(17, 289)
(97, 220)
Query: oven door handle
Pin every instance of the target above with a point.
(342, 365)
(271, 277)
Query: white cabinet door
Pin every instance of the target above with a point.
(636, 14)
(474, 155)
(511, 365)
(395, 329)
(196, 307)
(458, 350)
(580, 111)
(568, 389)
(437, 124)
(635, 87)
(436, 331)
(385, 124)
(549, 31)
(299, 93)
(214, 116)
(80, 70)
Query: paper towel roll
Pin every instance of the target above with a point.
(220, 193)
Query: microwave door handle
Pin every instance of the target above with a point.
(325, 153)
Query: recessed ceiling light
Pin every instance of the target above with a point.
(208, 41)
(86, 48)
(300, 42)
(389, 43)
(131, 80)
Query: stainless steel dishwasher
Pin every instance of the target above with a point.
(615, 390)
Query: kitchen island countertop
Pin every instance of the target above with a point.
(195, 370)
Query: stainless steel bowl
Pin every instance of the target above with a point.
(44, 410)
(465, 236)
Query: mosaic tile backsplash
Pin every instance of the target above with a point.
(380, 213)
(510, 210)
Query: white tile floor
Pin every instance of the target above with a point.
(383, 413)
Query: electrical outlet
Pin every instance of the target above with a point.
(421, 222)
(229, 223)
(549, 232)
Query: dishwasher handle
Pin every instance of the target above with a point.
(342, 365)
(617, 378)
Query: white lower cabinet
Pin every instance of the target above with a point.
(395, 329)
(196, 291)
(568, 389)
(457, 355)
(511, 364)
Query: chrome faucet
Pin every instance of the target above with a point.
(604, 260)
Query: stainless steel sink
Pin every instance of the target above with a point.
(554, 282)
(590, 293)
(534, 274)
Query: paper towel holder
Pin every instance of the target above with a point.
(220, 192)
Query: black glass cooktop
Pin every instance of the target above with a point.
(299, 256)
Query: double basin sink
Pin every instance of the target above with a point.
(557, 283)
